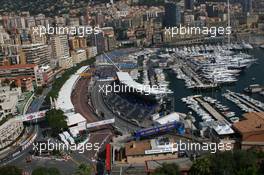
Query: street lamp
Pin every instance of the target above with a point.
(189, 117)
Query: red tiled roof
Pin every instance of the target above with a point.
(18, 66)
(254, 121)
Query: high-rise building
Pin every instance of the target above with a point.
(9, 131)
(78, 55)
(211, 11)
(26, 84)
(12, 54)
(9, 98)
(74, 22)
(172, 15)
(188, 4)
(60, 50)
(109, 35)
(100, 18)
(91, 51)
(36, 54)
(15, 22)
(30, 22)
(40, 19)
(60, 46)
(74, 43)
(97, 40)
(45, 75)
(247, 6)
(82, 42)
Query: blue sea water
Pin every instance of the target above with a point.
(253, 75)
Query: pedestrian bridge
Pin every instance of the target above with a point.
(32, 116)
(41, 114)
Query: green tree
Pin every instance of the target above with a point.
(222, 163)
(237, 162)
(10, 170)
(201, 166)
(261, 167)
(84, 169)
(5, 82)
(167, 169)
(246, 162)
(59, 82)
(56, 121)
(46, 171)
(13, 85)
(39, 90)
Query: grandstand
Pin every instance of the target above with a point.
(129, 107)
(125, 78)
(159, 129)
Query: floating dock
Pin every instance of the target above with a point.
(212, 111)
(245, 102)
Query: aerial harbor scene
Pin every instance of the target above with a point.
(132, 87)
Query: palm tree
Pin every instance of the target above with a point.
(84, 169)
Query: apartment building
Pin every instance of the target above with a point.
(9, 132)
(60, 50)
(36, 54)
(8, 100)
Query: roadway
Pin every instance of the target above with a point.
(80, 100)
(30, 131)
(66, 167)
(37, 102)
(102, 135)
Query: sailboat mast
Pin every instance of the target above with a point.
(228, 20)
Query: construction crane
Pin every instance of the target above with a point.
(87, 74)
(111, 61)
(91, 71)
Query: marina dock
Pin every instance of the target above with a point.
(212, 110)
(245, 102)
(193, 75)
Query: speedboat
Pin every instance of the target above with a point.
(234, 119)
(246, 45)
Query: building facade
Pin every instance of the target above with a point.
(9, 132)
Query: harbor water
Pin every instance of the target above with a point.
(252, 75)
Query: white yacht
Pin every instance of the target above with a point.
(246, 45)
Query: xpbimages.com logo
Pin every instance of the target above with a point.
(188, 30)
(77, 30)
(50, 146)
(187, 146)
(122, 88)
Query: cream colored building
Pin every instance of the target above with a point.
(91, 51)
(36, 54)
(9, 132)
(138, 152)
(78, 55)
(8, 100)
(65, 62)
(60, 50)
